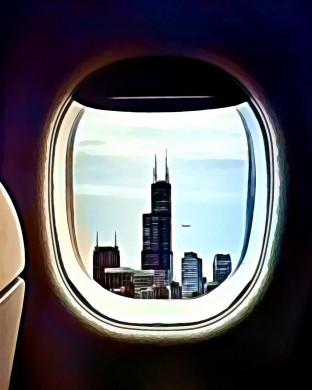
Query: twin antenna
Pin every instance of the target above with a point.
(155, 170)
(97, 239)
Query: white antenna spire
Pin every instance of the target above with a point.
(155, 170)
(167, 170)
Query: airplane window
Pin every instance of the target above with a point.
(163, 189)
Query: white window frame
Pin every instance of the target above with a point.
(157, 320)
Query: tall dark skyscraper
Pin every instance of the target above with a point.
(222, 267)
(104, 257)
(157, 252)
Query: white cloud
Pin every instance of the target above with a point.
(109, 190)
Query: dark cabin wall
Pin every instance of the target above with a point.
(45, 42)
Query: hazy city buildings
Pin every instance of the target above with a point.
(192, 275)
(157, 252)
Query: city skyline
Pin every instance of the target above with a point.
(203, 187)
(154, 280)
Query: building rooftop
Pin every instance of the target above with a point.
(144, 272)
(119, 270)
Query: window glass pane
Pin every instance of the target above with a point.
(207, 175)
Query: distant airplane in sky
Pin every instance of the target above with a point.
(186, 225)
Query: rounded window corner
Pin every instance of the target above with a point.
(208, 92)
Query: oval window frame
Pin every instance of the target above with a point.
(155, 331)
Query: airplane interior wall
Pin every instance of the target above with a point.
(45, 43)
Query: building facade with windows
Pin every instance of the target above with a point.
(157, 252)
(119, 281)
(192, 275)
(142, 279)
(104, 257)
(222, 267)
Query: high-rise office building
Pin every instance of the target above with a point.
(222, 267)
(192, 275)
(104, 257)
(157, 252)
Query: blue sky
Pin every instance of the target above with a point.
(207, 159)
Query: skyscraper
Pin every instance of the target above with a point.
(157, 252)
(104, 257)
(192, 275)
(222, 267)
